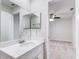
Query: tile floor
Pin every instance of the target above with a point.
(61, 50)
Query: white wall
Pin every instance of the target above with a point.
(61, 30)
(6, 26)
(42, 7)
(0, 19)
(77, 29)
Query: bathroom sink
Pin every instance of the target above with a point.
(26, 44)
(18, 50)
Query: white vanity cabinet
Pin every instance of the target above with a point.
(33, 53)
(36, 53)
(5, 56)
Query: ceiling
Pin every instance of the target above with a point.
(61, 8)
(8, 3)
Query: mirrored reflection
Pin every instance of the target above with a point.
(12, 20)
(18, 20)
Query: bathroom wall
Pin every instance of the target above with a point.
(61, 30)
(77, 29)
(6, 23)
(6, 26)
(41, 6)
(0, 19)
(77, 7)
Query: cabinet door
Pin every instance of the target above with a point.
(39, 56)
(4, 56)
(36, 53)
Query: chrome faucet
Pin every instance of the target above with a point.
(21, 41)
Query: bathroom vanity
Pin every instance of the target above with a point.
(26, 50)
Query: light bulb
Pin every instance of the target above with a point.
(51, 19)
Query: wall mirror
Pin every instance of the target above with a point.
(35, 20)
(32, 20)
(13, 23)
(17, 20)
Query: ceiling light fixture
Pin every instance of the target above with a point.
(12, 4)
(51, 17)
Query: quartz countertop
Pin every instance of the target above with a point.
(18, 50)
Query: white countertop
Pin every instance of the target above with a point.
(18, 50)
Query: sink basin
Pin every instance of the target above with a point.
(26, 44)
(18, 50)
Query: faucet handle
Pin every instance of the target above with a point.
(21, 41)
